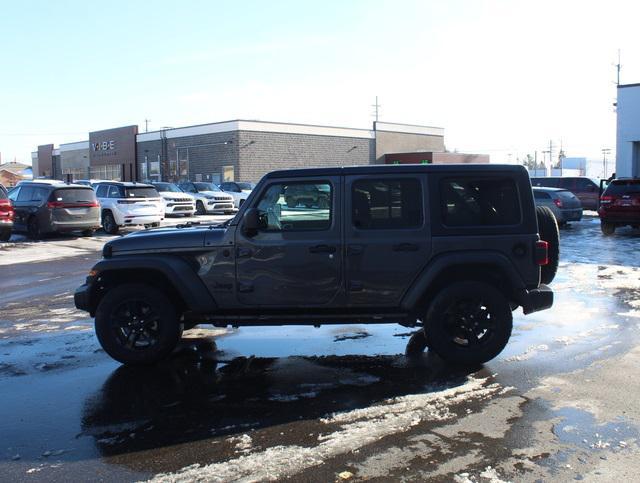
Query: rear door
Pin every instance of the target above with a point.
(294, 260)
(387, 237)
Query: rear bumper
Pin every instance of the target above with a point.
(535, 300)
(571, 215)
(62, 226)
(141, 220)
(620, 218)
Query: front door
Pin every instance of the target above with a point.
(295, 257)
(387, 237)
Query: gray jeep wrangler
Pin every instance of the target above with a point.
(449, 249)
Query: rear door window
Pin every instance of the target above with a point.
(479, 202)
(102, 191)
(541, 195)
(115, 192)
(383, 204)
(39, 194)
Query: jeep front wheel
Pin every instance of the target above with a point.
(468, 323)
(137, 324)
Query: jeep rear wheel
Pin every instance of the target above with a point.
(468, 323)
(137, 324)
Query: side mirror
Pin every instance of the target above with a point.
(251, 222)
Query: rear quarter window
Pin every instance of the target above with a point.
(142, 192)
(491, 201)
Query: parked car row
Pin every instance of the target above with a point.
(42, 206)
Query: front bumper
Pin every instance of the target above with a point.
(82, 297)
(141, 220)
(535, 300)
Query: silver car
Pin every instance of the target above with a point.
(563, 203)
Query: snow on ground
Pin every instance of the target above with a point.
(347, 431)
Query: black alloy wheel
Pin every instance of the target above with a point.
(137, 324)
(468, 323)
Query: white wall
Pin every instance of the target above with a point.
(628, 131)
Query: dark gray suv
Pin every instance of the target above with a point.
(450, 249)
(51, 206)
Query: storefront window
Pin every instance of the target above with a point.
(227, 173)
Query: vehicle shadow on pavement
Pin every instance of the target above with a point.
(199, 395)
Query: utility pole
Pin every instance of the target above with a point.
(605, 151)
(376, 106)
(618, 65)
(146, 125)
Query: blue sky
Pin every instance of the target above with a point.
(502, 77)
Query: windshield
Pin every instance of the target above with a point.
(170, 187)
(246, 186)
(142, 192)
(207, 187)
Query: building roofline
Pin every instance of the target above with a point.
(620, 86)
(287, 128)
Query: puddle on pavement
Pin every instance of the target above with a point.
(580, 428)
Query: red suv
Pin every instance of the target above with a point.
(6, 215)
(620, 205)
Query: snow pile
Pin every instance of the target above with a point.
(355, 429)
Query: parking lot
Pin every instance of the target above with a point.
(325, 404)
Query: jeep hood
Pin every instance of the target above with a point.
(166, 240)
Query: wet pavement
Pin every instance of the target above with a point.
(326, 404)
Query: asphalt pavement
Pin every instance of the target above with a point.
(333, 403)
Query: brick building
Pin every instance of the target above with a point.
(233, 150)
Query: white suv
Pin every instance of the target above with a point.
(209, 198)
(239, 190)
(128, 204)
(176, 201)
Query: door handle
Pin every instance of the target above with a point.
(405, 247)
(322, 249)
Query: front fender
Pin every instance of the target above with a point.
(179, 273)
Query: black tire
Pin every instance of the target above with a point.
(468, 323)
(124, 333)
(88, 233)
(200, 209)
(33, 229)
(607, 228)
(5, 235)
(549, 232)
(417, 344)
(109, 224)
